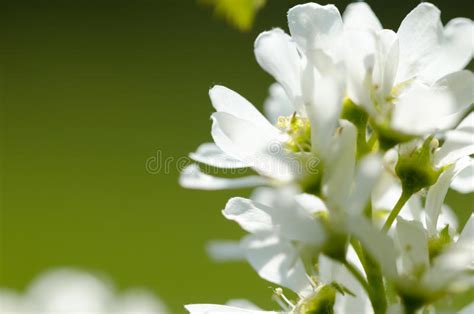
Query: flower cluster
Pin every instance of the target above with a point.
(72, 291)
(366, 131)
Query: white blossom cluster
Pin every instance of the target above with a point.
(70, 291)
(366, 130)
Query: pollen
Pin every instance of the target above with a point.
(299, 131)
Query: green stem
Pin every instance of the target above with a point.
(372, 140)
(396, 210)
(357, 274)
(376, 292)
(377, 295)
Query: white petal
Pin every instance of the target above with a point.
(450, 95)
(248, 215)
(359, 15)
(69, 291)
(271, 197)
(464, 181)
(323, 109)
(312, 204)
(219, 309)
(386, 192)
(359, 62)
(193, 178)
(447, 218)
(139, 302)
(277, 261)
(458, 258)
(277, 104)
(260, 148)
(379, 245)
(243, 304)
(455, 51)
(458, 143)
(294, 222)
(228, 101)
(224, 251)
(291, 221)
(469, 309)
(467, 233)
(467, 124)
(277, 54)
(331, 271)
(369, 171)
(210, 154)
(412, 240)
(386, 63)
(437, 192)
(317, 30)
(11, 302)
(419, 35)
(340, 165)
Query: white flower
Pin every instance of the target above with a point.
(279, 235)
(71, 291)
(452, 159)
(396, 77)
(355, 89)
(245, 138)
(447, 272)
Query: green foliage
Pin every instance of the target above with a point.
(239, 13)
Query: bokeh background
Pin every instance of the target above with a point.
(90, 90)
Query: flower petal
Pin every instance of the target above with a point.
(369, 171)
(458, 143)
(260, 148)
(455, 51)
(220, 309)
(243, 304)
(228, 101)
(331, 271)
(419, 35)
(277, 104)
(210, 154)
(248, 215)
(379, 245)
(323, 109)
(277, 261)
(193, 178)
(341, 165)
(359, 62)
(277, 54)
(359, 15)
(449, 95)
(317, 30)
(386, 63)
(464, 181)
(456, 260)
(412, 241)
(224, 251)
(437, 192)
(286, 217)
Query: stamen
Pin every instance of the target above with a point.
(282, 300)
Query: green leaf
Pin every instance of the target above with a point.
(239, 13)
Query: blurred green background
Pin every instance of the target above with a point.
(89, 91)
